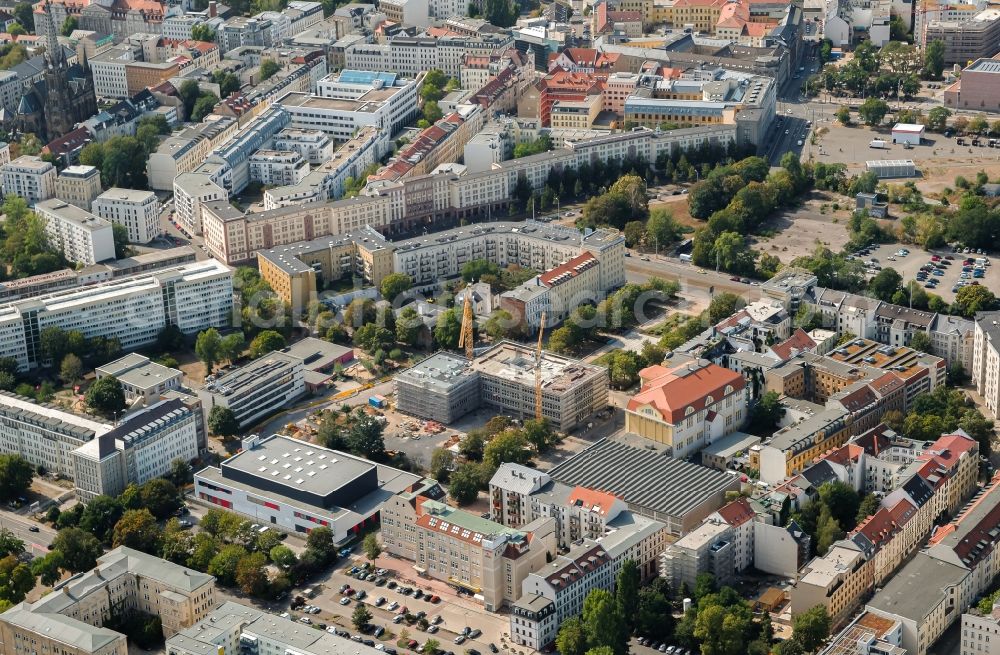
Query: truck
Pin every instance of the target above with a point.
(685, 257)
(378, 402)
(877, 143)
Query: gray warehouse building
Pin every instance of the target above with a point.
(442, 388)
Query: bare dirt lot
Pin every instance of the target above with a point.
(797, 232)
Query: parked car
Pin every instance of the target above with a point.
(460, 639)
(345, 600)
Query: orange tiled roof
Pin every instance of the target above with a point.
(593, 500)
(685, 387)
(737, 512)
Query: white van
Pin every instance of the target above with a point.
(685, 257)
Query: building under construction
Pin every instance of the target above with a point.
(444, 386)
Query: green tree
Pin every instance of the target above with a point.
(251, 577)
(972, 299)
(873, 110)
(508, 446)
(120, 236)
(655, 616)
(365, 437)
(207, 346)
(202, 32)
(474, 270)
(15, 475)
(100, 516)
(10, 544)
(394, 284)
(627, 592)
(704, 585)
(222, 422)
(48, 568)
(767, 413)
(409, 326)
(371, 546)
(106, 396)
(180, 472)
(572, 638)
(921, 342)
(361, 616)
(79, 549)
(373, 337)
(464, 483)
(723, 306)
(204, 106)
(661, 229)
(448, 329)
(934, 59)
(68, 26)
(283, 557)
(70, 369)
(442, 462)
(266, 342)
(869, 505)
(16, 580)
(827, 530)
(160, 497)
(223, 565)
(25, 15)
(885, 284)
(937, 118)
(603, 623)
(812, 627)
(320, 543)
(844, 115)
(231, 346)
(137, 528)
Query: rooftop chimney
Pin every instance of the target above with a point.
(213, 9)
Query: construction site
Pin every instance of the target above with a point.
(444, 387)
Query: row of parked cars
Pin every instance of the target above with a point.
(664, 647)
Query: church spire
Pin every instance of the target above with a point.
(53, 51)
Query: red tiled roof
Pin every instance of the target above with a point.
(685, 387)
(948, 449)
(799, 341)
(737, 512)
(564, 272)
(593, 500)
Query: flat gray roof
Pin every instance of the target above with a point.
(918, 587)
(643, 477)
(299, 465)
(440, 372)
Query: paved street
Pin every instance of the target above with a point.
(36, 542)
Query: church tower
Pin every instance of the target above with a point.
(59, 103)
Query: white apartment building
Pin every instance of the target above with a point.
(314, 146)
(137, 210)
(79, 185)
(134, 310)
(327, 181)
(70, 619)
(191, 191)
(80, 235)
(29, 177)
(564, 582)
(278, 167)
(143, 446)
(352, 99)
(257, 389)
(43, 435)
(110, 71)
(986, 359)
(981, 632)
(141, 379)
(186, 151)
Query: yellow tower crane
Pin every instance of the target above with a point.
(538, 368)
(466, 339)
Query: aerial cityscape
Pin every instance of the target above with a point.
(499, 327)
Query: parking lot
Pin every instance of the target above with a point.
(951, 269)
